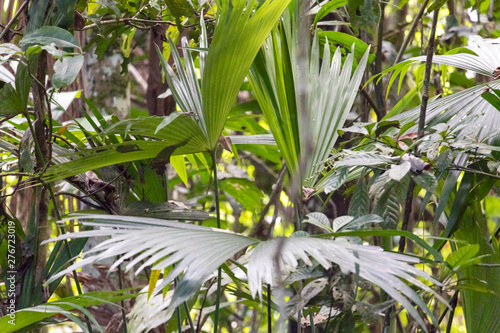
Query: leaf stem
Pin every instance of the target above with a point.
(217, 211)
(188, 314)
(124, 316)
(269, 321)
(179, 319)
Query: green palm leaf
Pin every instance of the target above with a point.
(241, 29)
(175, 134)
(331, 90)
(29, 316)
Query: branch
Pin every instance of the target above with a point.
(272, 199)
(410, 33)
(371, 102)
(11, 22)
(23, 174)
(131, 20)
(421, 123)
(82, 199)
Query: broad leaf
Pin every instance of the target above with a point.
(66, 70)
(50, 35)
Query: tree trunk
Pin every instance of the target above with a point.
(157, 106)
(42, 158)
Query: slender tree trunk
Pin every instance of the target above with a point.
(42, 157)
(157, 106)
(379, 87)
(401, 25)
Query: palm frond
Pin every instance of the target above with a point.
(198, 251)
(466, 109)
(240, 31)
(183, 81)
(485, 60)
(28, 317)
(331, 90)
(149, 312)
(257, 139)
(242, 27)
(385, 269)
(172, 135)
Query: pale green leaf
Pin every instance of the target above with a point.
(398, 171)
(179, 164)
(66, 70)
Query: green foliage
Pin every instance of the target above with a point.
(240, 32)
(50, 36)
(244, 191)
(29, 316)
(307, 183)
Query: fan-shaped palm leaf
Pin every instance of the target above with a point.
(198, 251)
(466, 107)
(240, 30)
(331, 90)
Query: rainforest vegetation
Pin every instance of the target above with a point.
(249, 166)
